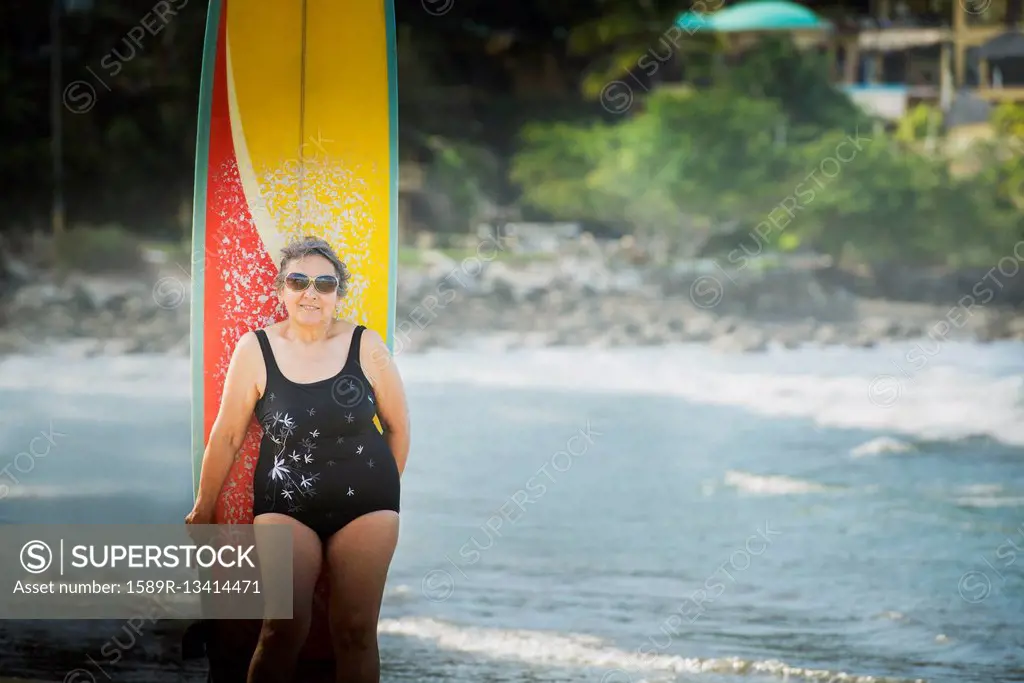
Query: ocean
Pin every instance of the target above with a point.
(611, 516)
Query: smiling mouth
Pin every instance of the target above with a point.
(309, 308)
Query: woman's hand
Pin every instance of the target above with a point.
(200, 514)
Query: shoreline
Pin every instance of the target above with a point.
(573, 302)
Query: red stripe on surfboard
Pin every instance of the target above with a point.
(231, 307)
(238, 297)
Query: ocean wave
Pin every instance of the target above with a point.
(956, 400)
(77, 489)
(770, 485)
(60, 371)
(986, 496)
(619, 666)
(881, 446)
(990, 501)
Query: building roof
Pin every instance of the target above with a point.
(966, 110)
(1004, 46)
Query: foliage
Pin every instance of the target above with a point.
(887, 201)
(554, 168)
(637, 36)
(1005, 157)
(707, 157)
(104, 249)
(1008, 119)
(798, 80)
(919, 123)
(466, 177)
(693, 164)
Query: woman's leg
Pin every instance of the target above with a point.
(281, 640)
(358, 558)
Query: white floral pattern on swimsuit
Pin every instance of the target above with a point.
(291, 479)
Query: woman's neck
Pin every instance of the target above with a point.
(309, 334)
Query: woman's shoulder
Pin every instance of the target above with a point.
(272, 328)
(373, 351)
(248, 353)
(342, 327)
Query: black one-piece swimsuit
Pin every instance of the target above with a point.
(322, 460)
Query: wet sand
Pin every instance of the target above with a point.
(92, 651)
(110, 650)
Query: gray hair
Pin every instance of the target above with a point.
(312, 246)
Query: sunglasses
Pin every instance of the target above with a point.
(299, 282)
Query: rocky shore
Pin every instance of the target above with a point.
(572, 301)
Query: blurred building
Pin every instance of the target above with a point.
(890, 55)
(962, 55)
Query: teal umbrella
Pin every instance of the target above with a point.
(760, 15)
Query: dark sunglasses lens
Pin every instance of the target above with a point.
(297, 281)
(326, 284)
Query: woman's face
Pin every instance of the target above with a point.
(303, 294)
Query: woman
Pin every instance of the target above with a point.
(315, 383)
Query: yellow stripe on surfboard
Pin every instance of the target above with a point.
(310, 105)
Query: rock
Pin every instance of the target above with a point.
(725, 326)
(437, 263)
(1015, 328)
(827, 334)
(657, 334)
(13, 342)
(990, 326)
(741, 340)
(15, 272)
(110, 293)
(910, 330)
(675, 326)
(536, 340)
(118, 347)
(633, 329)
(601, 340)
(863, 341)
(38, 296)
(578, 301)
(700, 327)
(566, 337)
(879, 328)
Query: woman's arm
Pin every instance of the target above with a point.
(232, 423)
(379, 367)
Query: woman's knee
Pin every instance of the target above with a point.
(354, 632)
(285, 633)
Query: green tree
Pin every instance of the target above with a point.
(798, 80)
(688, 163)
(891, 202)
(639, 37)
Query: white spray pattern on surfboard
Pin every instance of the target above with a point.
(319, 196)
(314, 193)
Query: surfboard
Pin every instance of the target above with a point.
(297, 135)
